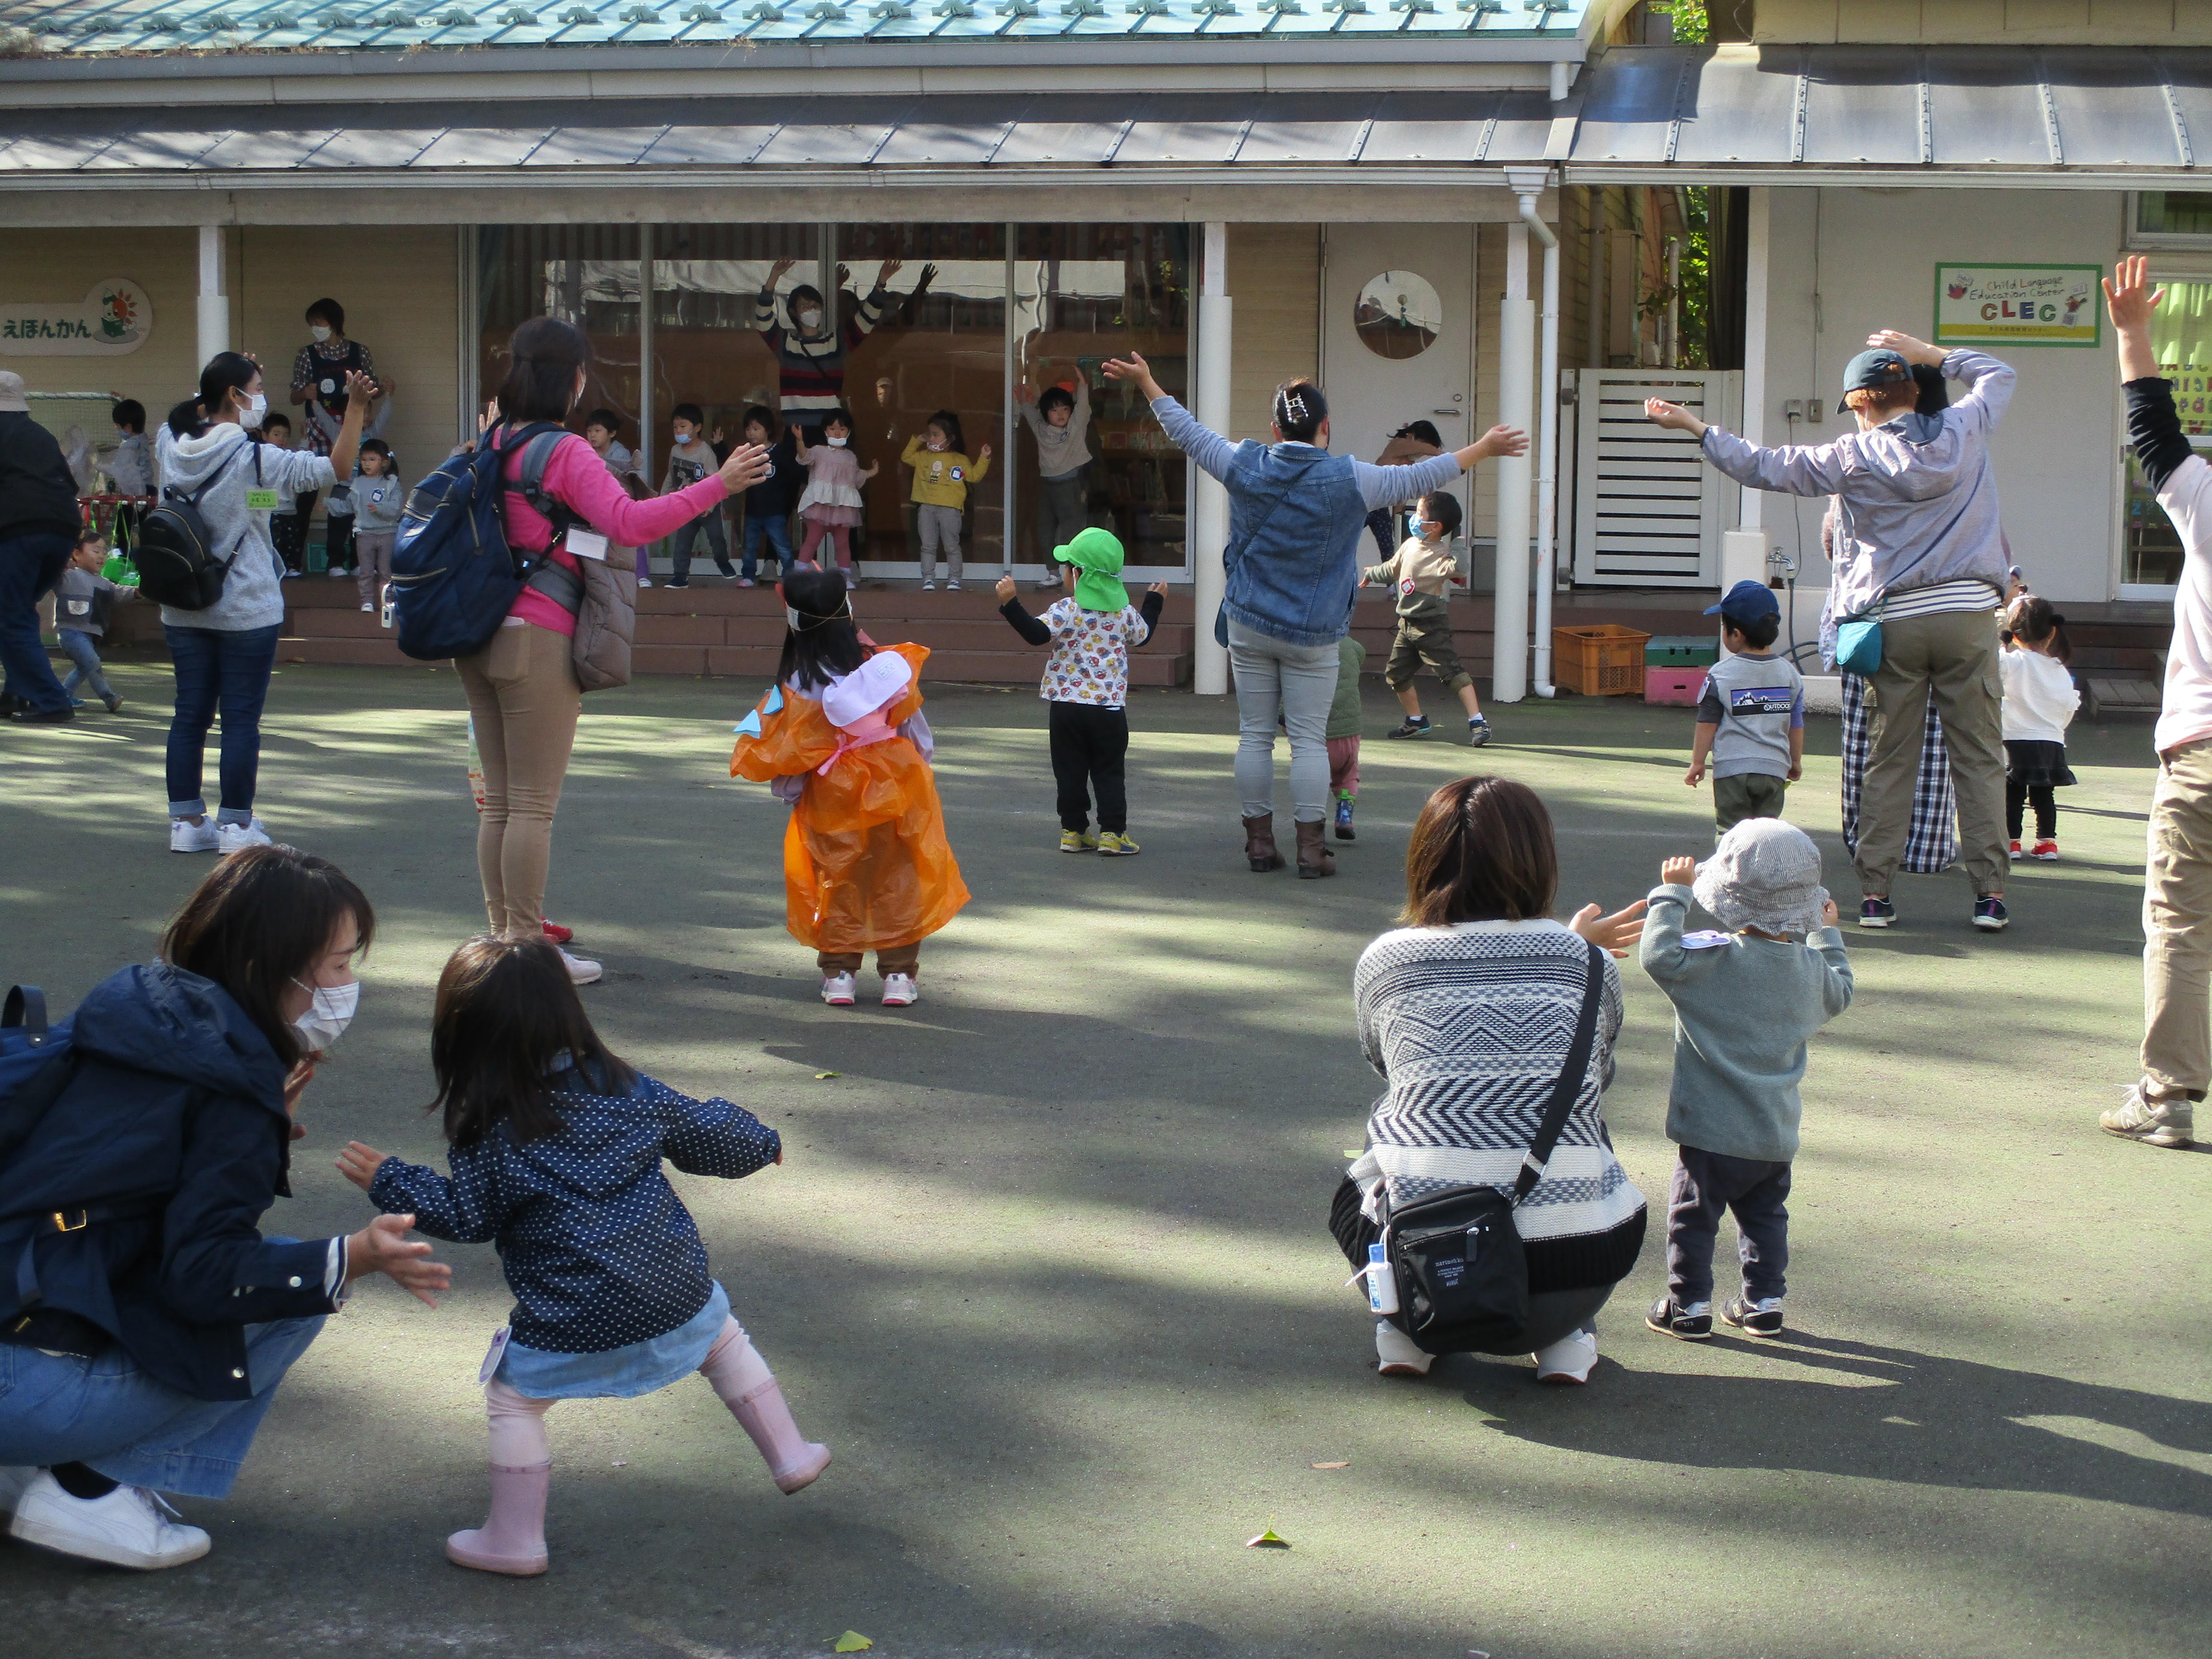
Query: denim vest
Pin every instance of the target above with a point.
(1295, 519)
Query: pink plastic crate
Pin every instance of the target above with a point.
(1683, 686)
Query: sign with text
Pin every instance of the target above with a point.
(114, 318)
(2017, 305)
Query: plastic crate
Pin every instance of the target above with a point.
(1602, 661)
(1682, 651)
(1665, 683)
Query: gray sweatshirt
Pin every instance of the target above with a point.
(82, 598)
(251, 595)
(1062, 449)
(1743, 1009)
(377, 503)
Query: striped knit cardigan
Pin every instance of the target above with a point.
(1470, 1025)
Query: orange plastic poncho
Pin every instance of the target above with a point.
(866, 864)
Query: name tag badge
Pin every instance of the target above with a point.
(261, 501)
(586, 545)
(493, 1356)
(957, 475)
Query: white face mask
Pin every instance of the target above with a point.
(320, 331)
(328, 1015)
(937, 444)
(837, 442)
(791, 616)
(256, 407)
(809, 319)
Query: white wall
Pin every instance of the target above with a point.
(2057, 452)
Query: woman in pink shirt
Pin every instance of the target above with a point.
(523, 695)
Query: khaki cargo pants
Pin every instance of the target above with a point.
(2177, 1046)
(1953, 655)
(1425, 636)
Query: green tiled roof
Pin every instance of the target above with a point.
(74, 28)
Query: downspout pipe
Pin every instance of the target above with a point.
(1528, 186)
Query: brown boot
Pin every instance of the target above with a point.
(1315, 859)
(1260, 844)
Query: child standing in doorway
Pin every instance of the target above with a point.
(691, 458)
(379, 498)
(2039, 700)
(832, 503)
(1745, 1002)
(1751, 719)
(942, 473)
(1060, 421)
(1086, 686)
(556, 1147)
(285, 530)
(841, 738)
(600, 427)
(1422, 574)
(768, 503)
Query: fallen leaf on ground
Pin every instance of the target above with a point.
(1345, 1465)
(1269, 1540)
(852, 1641)
(818, 1076)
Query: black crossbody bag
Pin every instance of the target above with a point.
(1462, 1273)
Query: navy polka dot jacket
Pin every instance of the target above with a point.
(599, 1251)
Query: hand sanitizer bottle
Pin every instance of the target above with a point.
(1381, 1283)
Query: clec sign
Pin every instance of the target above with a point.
(2017, 305)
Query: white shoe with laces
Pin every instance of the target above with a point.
(186, 836)
(899, 991)
(130, 1527)
(237, 837)
(1569, 1359)
(837, 990)
(1397, 1354)
(581, 972)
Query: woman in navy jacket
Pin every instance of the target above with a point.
(144, 1321)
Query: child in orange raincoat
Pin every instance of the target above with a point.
(840, 737)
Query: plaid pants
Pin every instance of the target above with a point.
(1932, 842)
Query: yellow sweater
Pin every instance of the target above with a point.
(941, 476)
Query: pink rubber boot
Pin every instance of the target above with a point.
(793, 1462)
(511, 1540)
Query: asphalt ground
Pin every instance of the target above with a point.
(1046, 1265)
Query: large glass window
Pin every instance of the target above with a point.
(584, 274)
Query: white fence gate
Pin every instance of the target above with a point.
(1648, 508)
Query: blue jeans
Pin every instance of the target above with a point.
(83, 650)
(29, 565)
(107, 1413)
(226, 669)
(776, 527)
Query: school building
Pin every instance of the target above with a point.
(1461, 211)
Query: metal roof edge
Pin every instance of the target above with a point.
(1806, 175)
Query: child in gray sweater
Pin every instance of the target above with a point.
(1745, 1002)
(378, 500)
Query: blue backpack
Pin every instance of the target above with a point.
(36, 1063)
(454, 576)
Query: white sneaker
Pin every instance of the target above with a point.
(899, 991)
(929, 584)
(368, 607)
(581, 972)
(1569, 1359)
(1397, 1354)
(952, 588)
(837, 990)
(339, 575)
(13, 1479)
(237, 837)
(186, 836)
(130, 1527)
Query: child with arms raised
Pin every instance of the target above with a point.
(841, 738)
(556, 1160)
(942, 473)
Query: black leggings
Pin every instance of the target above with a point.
(1088, 747)
(2018, 794)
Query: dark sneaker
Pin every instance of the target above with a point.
(1343, 830)
(1990, 915)
(1754, 1318)
(25, 715)
(1668, 1320)
(1416, 726)
(1877, 913)
(1478, 731)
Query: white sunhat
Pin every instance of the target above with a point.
(12, 400)
(1764, 874)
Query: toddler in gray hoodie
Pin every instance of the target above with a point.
(378, 497)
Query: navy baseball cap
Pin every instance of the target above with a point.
(1748, 601)
(1878, 368)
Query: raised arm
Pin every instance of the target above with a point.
(712, 1137)
(1661, 950)
(2154, 425)
(1208, 448)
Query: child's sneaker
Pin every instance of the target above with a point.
(1123, 846)
(929, 584)
(1343, 830)
(368, 607)
(1077, 841)
(1692, 1324)
(2015, 853)
(339, 573)
(237, 837)
(900, 991)
(2046, 850)
(952, 588)
(2154, 1122)
(1478, 730)
(1990, 915)
(645, 581)
(1416, 726)
(1397, 1354)
(1759, 1318)
(1877, 913)
(556, 932)
(581, 971)
(1569, 1360)
(186, 836)
(673, 582)
(747, 581)
(837, 990)
(115, 706)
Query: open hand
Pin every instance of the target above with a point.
(360, 386)
(1006, 590)
(1615, 933)
(775, 272)
(748, 464)
(1912, 350)
(1672, 416)
(359, 1164)
(383, 1247)
(1500, 441)
(1678, 873)
(1160, 589)
(890, 269)
(2129, 297)
(1135, 369)
(488, 419)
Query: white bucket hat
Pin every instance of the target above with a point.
(1764, 874)
(11, 393)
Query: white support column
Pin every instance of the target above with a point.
(645, 353)
(1517, 401)
(1006, 419)
(1209, 511)
(214, 303)
(1756, 268)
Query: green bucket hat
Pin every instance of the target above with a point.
(1097, 555)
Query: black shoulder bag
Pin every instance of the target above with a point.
(1463, 1274)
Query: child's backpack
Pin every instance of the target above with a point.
(36, 1062)
(454, 577)
(175, 556)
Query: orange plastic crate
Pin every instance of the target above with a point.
(1602, 660)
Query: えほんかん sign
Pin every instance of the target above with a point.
(2017, 305)
(114, 318)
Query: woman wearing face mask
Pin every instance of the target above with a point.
(158, 1321)
(810, 355)
(210, 452)
(319, 390)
